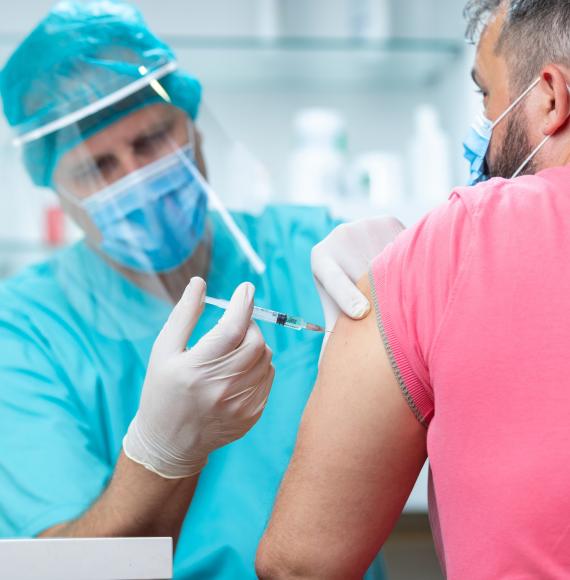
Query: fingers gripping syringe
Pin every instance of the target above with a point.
(272, 316)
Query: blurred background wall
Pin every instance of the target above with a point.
(359, 70)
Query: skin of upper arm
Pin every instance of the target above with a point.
(358, 454)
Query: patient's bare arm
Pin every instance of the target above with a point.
(358, 454)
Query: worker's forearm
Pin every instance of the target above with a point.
(136, 503)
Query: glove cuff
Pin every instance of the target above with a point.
(151, 453)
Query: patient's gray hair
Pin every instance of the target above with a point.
(535, 33)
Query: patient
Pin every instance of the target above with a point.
(465, 360)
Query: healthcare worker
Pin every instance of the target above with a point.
(103, 434)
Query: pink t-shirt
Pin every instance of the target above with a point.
(474, 308)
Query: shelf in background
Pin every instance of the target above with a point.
(316, 62)
(306, 62)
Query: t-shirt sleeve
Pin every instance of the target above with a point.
(413, 283)
(50, 470)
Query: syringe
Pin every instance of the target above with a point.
(272, 316)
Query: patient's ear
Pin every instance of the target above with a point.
(555, 99)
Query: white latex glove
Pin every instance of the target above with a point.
(194, 401)
(343, 257)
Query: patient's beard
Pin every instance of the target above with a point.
(515, 149)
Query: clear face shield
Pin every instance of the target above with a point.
(136, 190)
(129, 169)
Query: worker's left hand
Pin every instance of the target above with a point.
(342, 258)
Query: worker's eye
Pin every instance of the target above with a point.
(149, 144)
(106, 165)
(90, 171)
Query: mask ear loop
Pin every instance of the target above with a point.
(531, 157)
(534, 153)
(516, 102)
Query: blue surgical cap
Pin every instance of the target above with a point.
(78, 54)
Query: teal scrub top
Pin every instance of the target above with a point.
(75, 339)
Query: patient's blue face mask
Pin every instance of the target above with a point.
(478, 140)
(153, 219)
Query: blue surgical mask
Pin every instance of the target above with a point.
(153, 219)
(478, 140)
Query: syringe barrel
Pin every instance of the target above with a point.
(265, 315)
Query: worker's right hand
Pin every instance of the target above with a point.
(194, 401)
